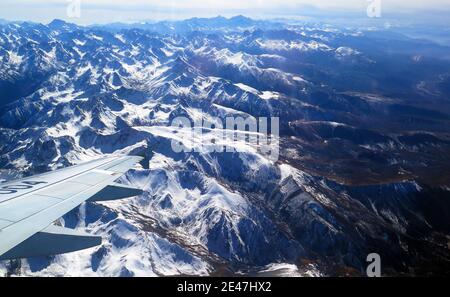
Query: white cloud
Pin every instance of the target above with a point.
(132, 10)
(247, 4)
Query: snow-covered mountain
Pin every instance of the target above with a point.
(364, 163)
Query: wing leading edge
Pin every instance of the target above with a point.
(29, 206)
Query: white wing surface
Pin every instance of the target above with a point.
(29, 206)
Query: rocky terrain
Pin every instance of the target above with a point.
(364, 161)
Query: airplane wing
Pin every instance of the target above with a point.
(29, 206)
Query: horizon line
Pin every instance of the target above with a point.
(265, 17)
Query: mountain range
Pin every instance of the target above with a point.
(364, 161)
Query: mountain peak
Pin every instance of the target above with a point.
(241, 19)
(60, 24)
(57, 22)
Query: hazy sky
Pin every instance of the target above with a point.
(102, 11)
